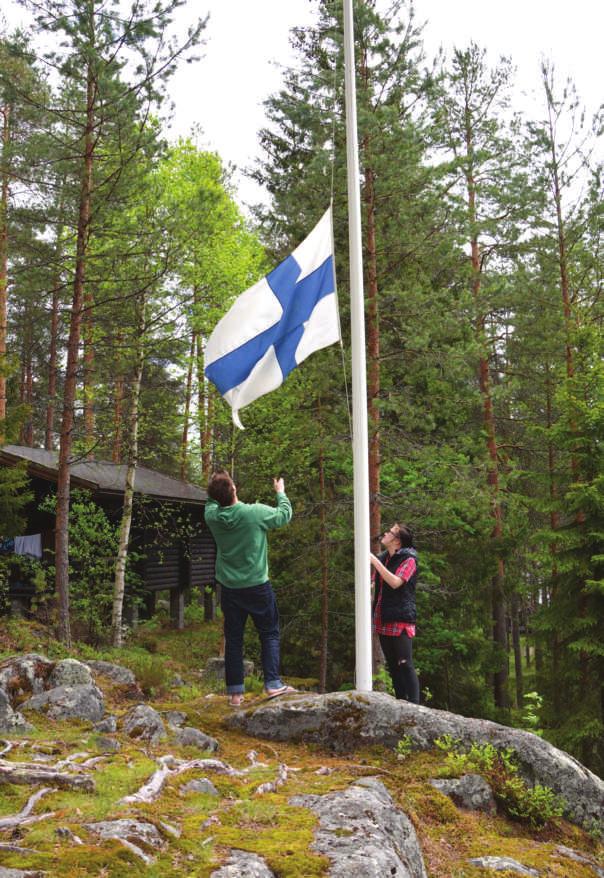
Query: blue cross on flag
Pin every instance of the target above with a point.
(272, 327)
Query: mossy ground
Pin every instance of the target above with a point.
(265, 824)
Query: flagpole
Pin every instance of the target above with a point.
(360, 444)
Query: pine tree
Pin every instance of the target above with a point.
(97, 46)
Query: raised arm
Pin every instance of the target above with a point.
(273, 517)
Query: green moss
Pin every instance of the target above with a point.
(280, 833)
(267, 825)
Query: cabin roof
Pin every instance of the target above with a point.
(104, 476)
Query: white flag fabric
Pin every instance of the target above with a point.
(274, 325)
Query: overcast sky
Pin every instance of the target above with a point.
(247, 41)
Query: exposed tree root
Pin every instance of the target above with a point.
(33, 773)
(139, 852)
(25, 817)
(15, 849)
(171, 767)
(273, 785)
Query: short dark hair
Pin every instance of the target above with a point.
(221, 488)
(405, 535)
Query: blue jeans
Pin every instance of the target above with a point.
(257, 601)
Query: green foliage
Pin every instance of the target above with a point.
(404, 748)
(537, 805)
(254, 683)
(165, 226)
(194, 613)
(533, 702)
(93, 542)
(15, 495)
(383, 681)
(150, 671)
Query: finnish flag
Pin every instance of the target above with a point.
(274, 325)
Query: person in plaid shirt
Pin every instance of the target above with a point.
(394, 577)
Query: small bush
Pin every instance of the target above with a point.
(194, 612)
(404, 748)
(148, 640)
(530, 717)
(254, 684)
(150, 672)
(534, 805)
(382, 681)
(189, 692)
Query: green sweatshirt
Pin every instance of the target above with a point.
(240, 535)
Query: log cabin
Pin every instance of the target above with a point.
(168, 561)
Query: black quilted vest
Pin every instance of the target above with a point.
(398, 604)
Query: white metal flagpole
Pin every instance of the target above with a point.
(360, 444)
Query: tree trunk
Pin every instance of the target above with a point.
(554, 524)
(205, 405)
(88, 377)
(4, 195)
(28, 430)
(54, 335)
(185, 427)
(126, 522)
(517, 651)
(500, 677)
(71, 373)
(562, 264)
(208, 433)
(26, 379)
(52, 369)
(118, 412)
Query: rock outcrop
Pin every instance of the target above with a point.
(190, 737)
(24, 675)
(242, 864)
(345, 721)
(20, 873)
(115, 673)
(204, 786)
(11, 721)
(214, 668)
(69, 702)
(145, 723)
(62, 690)
(70, 672)
(136, 835)
(363, 833)
(504, 864)
(470, 791)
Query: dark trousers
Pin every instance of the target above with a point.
(257, 601)
(398, 652)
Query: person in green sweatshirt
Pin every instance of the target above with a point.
(240, 532)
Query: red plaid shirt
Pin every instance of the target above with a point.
(405, 571)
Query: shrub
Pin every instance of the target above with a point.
(150, 671)
(93, 544)
(194, 613)
(530, 717)
(382, 681)
(254, 684)
(403, 748)
(534, 805)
